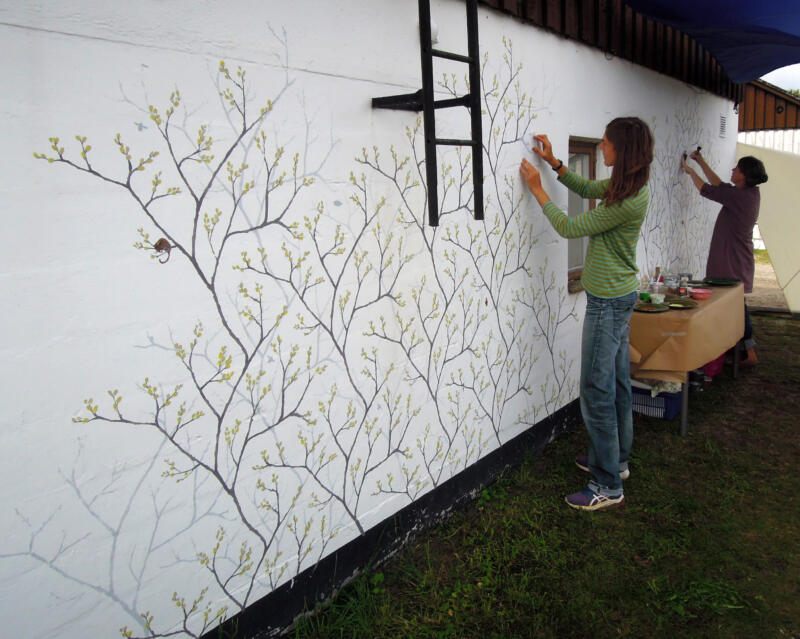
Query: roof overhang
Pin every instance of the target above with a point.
(749, 38)
(766, 107)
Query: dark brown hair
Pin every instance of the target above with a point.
(633, 144)
(753, 170)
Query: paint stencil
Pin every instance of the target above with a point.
(527, 141)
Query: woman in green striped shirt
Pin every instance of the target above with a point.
(611, 282)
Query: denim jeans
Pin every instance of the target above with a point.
(606, 389)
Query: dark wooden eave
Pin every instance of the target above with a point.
(766, 107)
(615, 28)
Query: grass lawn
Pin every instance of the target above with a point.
(707, 544)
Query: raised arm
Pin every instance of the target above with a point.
(712, 177)
(598, 220)
(698, 181)
(589, 189)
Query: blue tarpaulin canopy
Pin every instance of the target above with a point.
(749, 38)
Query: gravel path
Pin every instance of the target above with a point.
(766, 295)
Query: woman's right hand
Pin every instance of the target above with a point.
(531, 176)
(546, 150)
(695, 155)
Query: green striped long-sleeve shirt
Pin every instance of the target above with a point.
(610, 266)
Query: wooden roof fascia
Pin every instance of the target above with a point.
(765, 107)
(615, 28)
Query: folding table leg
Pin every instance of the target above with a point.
(736, 351)
(685, 406)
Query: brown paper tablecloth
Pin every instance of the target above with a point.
(667, 345)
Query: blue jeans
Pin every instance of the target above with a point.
(749, 342)
(606, 389)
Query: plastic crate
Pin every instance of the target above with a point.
(663, 406)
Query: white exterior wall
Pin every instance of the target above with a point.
(788, 141)
(393, 355)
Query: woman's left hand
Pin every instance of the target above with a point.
(531, 176)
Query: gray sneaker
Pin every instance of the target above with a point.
(587, 499)
(582, 462)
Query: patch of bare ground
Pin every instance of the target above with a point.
(767, 294)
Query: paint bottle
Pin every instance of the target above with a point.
(644, 289)
(683, 287)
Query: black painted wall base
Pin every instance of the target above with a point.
(274, 614)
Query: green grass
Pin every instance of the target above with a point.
(707, 544)
(761, 256)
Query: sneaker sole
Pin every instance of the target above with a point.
(624, 474)
(603, 505)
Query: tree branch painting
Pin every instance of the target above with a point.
(360, 359)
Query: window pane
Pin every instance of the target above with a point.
(576, 247)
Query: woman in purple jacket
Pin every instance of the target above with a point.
(731, 251)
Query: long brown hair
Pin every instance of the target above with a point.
(633, 144)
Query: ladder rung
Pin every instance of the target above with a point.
(464, 100)
(425, 101)
(451, 56)
(452, 142)
(406, 101)
(413, 102)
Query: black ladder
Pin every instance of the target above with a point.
(423, 100)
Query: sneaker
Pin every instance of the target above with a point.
(582, 462)
(587, 499)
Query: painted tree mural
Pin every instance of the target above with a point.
(677, 228)
(357, 357)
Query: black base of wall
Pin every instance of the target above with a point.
(275, 613)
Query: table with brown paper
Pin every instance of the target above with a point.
(666, 346)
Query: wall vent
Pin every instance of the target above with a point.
(723, 126)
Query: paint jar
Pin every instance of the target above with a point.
(683, 286)
(671, 283)
(657, 287)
